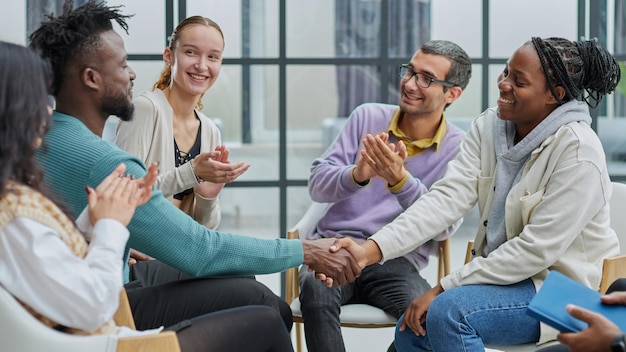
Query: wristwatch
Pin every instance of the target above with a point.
(619, 343)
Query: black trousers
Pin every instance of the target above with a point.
(160, 295)
(245, 329)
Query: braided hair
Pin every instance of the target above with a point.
(74, 35)
(583, 69)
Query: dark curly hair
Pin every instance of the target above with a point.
(585, 70)
(24, 78)
(74, 35)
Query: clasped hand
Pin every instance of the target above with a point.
(336, 262)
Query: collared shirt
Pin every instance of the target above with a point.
(418, 146)
(414, 147)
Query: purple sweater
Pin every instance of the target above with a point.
(358, 211)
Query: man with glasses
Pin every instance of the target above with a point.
(385, 158)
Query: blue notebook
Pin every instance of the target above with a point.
(558, 290)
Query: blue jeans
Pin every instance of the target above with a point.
(391, 287)
(467, 317)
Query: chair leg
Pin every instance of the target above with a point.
(298, 337)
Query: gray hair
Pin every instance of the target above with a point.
(461, 65)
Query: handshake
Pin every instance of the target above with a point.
(338, 261)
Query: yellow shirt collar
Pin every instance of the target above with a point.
(418, 146)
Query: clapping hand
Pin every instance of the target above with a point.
(118, 195)
(385, 159)
(216, 170)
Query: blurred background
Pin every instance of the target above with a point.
(291, 67)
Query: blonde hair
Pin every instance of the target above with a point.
(165, 79)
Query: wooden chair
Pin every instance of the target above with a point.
(20, 331)
(352, 315)
(163, 342)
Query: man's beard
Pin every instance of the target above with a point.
(119, 106)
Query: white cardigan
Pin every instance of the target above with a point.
(557, 215)
(150, 137)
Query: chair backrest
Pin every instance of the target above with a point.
(308, 222)
(124, 316)
(615, 267)
(618, 213)
(20, 331)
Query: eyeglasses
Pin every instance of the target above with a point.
(423, 80)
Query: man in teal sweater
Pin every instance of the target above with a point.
(92, 80)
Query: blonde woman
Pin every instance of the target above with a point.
(169, 128)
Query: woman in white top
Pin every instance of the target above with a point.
(169, 128)
(69, 276)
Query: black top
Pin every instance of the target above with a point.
(181, 158)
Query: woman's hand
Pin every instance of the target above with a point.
(117, 196)
(415, 314)
(215, 167)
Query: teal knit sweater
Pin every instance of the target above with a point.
(73, 157)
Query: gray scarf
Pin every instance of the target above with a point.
(511, 157)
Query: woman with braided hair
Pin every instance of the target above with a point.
(537, 171)
(528, 163)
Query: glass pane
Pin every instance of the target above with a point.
(263, 127)
(356, 85)
(298, 202)
(225, 13)
(263, 29)
(333, 28)
(146, 28)
(357, 28)
(13, 22)
(313, 37)
(620, 27)
(448, 16)
(264, 103)
(312, 102)
(252, 212)
(147, 74)
(409, 26)
(620, 53)
(620, 94)
(494, 93)
(469, 104)
(223, 101)
(312, 96)
(503, 40)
